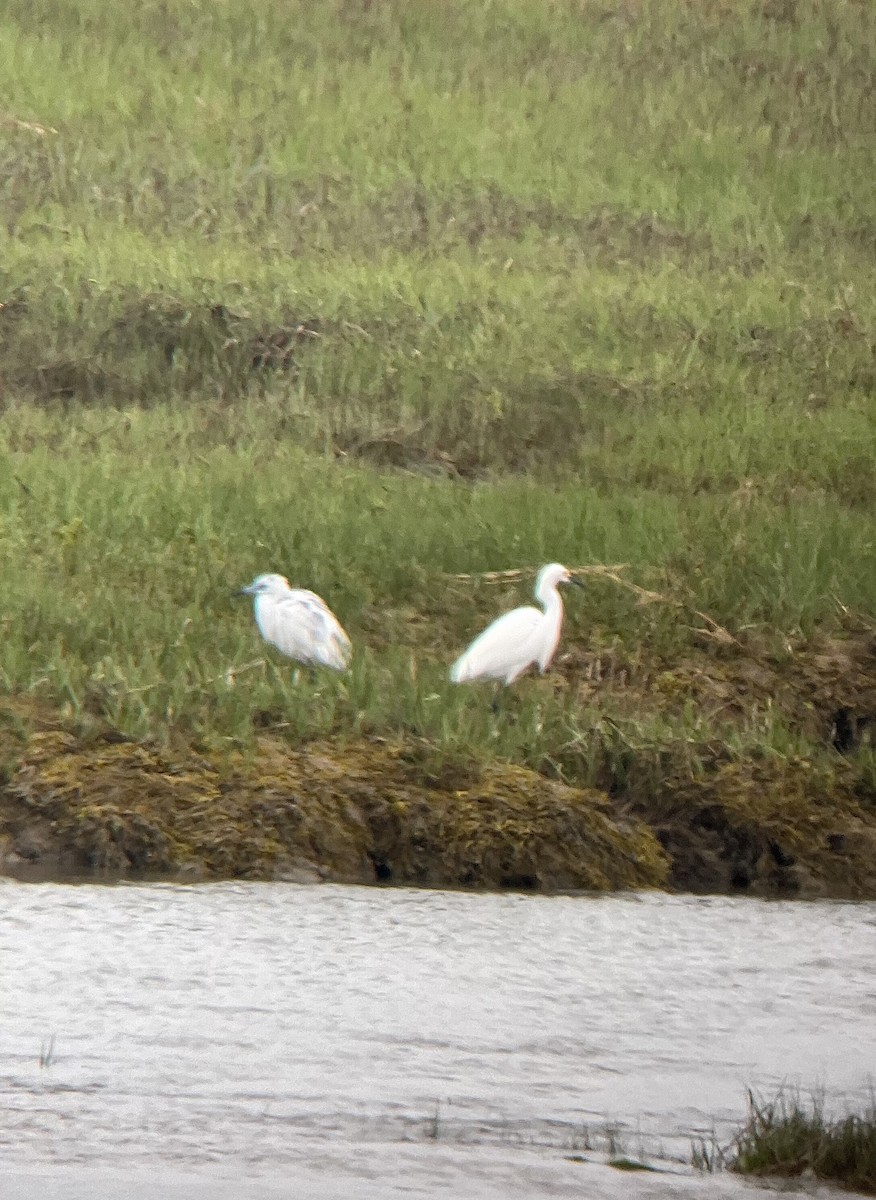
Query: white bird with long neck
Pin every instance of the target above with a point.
(299, 623)
(520, 638)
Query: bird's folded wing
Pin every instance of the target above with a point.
(303, 626)
(503, 645)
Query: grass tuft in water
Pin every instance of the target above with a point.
(793, 1135)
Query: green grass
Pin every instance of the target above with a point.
(377, 292)
(791, 1136)
(126, 533)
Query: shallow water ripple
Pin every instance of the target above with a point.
(265, 1031)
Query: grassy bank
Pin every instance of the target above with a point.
(376, 294)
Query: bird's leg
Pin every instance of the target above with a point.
(494, 703)
(307, 671)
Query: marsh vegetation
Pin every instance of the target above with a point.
(378, 294)
(792, 1136)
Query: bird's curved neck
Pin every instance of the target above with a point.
(551, 602)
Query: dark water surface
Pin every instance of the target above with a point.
(268, 1040)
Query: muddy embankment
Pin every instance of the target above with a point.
(678, 813)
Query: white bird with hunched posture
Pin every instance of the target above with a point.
(299, 623)
(518, 638)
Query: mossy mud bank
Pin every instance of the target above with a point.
(360, 812)
(681, 811)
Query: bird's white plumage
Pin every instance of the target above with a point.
(519, 638)
(299, 623)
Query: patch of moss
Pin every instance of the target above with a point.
(771, 825)
(357, 812)
(749, 761)
(511, 827)
(685, 790)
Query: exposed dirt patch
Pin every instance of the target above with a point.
(134, 340)
(815, 686)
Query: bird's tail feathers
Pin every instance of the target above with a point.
(459, 672)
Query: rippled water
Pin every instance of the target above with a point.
(259, 1040)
